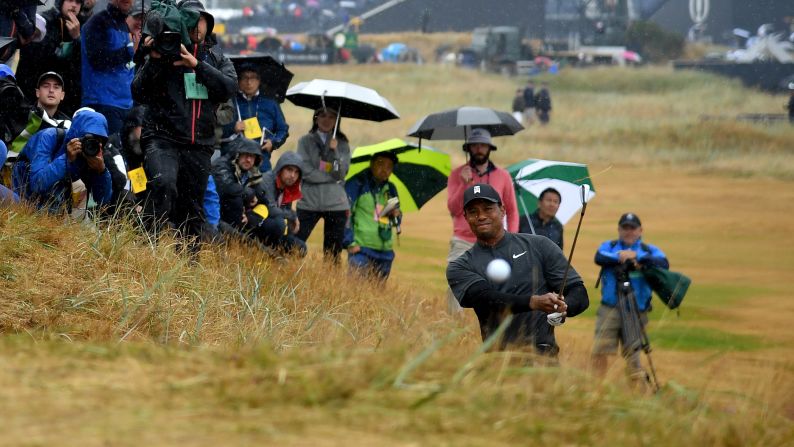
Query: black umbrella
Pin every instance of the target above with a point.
(275, 77)
(455, 124)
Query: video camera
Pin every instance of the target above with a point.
(91, 144)
(166, 42)
(623, 270)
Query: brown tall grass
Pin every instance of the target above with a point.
(107, 338)
(105, 315)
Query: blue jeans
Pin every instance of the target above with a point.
(378, 262)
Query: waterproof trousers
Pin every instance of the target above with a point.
(333, 229)
(176, 182)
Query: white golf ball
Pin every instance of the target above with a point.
(498, 270)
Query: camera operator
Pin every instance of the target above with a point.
(53, 158)
(179, 126)
(621, 260)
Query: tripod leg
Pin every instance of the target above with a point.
(633, 319)
(653, 371)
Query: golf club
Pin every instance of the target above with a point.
(556, 319)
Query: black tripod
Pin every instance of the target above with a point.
(633, 332)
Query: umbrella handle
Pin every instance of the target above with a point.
(517, 187)
(338, 115)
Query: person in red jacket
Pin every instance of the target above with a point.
(478, 169)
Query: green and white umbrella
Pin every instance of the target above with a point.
(532, 176)
(419, 174)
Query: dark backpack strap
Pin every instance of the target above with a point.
(60, 135)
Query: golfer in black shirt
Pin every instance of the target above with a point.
(530, 292)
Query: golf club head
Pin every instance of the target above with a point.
(555, 319)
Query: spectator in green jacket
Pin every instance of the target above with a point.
(368, 235)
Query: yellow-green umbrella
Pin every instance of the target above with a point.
(418, 175)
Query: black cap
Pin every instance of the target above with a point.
(49, 75)
(629, 219)
(386, 154)
(481, 191)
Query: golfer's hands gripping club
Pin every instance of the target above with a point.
(548, 302)
(551, 303)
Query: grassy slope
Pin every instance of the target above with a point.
(111, 341)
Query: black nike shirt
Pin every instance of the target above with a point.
(537, 267)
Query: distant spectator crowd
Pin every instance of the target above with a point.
(116, 123)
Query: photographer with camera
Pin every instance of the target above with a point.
(621, 261)
(181, 92)
(53, 158)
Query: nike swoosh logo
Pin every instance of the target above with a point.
(519, 255)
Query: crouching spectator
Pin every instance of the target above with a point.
(53, 158)
(233, 173)
(282, 187)
(241, 187)
(122, 154)
(368, 234)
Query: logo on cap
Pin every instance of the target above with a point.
(476, 190)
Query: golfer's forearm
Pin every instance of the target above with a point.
(482, 295)
(576, 298)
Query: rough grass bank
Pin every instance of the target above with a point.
(108, 339)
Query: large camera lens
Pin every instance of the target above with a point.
(168, 45)
(90, 145)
